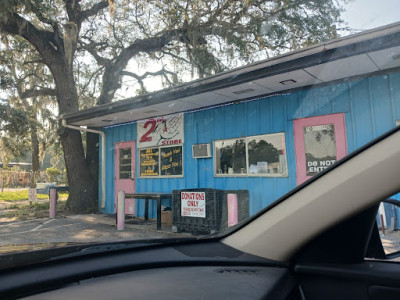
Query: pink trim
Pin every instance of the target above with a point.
(232, 210)
(53, 203)
(338, 120)
(126, 185)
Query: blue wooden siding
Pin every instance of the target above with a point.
(371, 107)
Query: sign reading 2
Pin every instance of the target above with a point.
(145, 137)
(160, 131)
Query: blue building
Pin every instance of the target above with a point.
(266, 127)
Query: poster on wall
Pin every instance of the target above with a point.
(160, 131)
(319, 142)
(171, 161)
(193, 204)
(149, 164)
(320, 148)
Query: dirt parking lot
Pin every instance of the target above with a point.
(78, 228)
(28, 226)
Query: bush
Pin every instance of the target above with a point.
(54, 174)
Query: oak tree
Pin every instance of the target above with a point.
(96, 50)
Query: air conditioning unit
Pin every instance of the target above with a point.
(201, 150)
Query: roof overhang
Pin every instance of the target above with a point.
(362, 54)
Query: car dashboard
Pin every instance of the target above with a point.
(206, 270)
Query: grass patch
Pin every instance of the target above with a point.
(40, 206)
(23, 195)
(63, 195)
(34, 210)
(14, 206)
(18, 196)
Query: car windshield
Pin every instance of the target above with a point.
(125, 120)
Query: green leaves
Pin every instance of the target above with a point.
(13, 121)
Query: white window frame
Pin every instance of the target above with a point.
(247, 174)
(159, 162)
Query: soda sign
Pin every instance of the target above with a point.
(193, 204)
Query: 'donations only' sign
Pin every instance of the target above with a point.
(193, 204)
(161, 131)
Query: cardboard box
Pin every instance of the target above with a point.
(166, 218)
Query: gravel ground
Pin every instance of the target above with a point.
(38, 228)
(44, 233)
(78, 228)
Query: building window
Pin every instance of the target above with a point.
(231, 156)
(320, 147)
(125, 163)
(149, 162)
(261, 155)
(161, 162)
(171, 161)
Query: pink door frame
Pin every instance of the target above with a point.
(338, 120)
(126, 185)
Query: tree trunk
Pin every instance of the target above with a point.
(82, 185)
(35, 155)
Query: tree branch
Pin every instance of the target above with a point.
(175, 56)
(94, 74)
(111, 82)
(43, 41)
(93, 10)
(137, 77)
(35, 61)
(38, 14)
(91, 49)
(25, 76)
(73, 9)
(36, 93)
(161, 72)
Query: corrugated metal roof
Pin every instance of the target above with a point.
(361, 54)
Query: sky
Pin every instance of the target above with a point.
(367, 14)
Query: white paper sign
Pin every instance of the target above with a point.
(32, 195)
(160, 131)
(193, 204)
